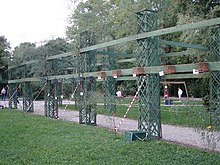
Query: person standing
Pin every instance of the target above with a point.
(180, 92)
(166, 94)
(3, 93)
(119, 95)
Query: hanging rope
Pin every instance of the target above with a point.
(37, 95)
(131, 103)
(72, 95)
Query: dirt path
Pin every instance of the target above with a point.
(177, 134)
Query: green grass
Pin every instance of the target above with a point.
(32, 139)
(187, 115)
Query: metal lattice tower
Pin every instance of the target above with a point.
(27, 97)
(60, 91)
(12, 103)
(51, 99)
(27, 93)
(109, 84)
(149, 97)
(215, 80)
(13, 97)
(74, 89)
(87, 63)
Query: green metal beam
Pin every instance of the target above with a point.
(23, 63)
(181, 44)
(175, 54)
(184, 68)
(173, 43)
(25, 80)
(214, 66)
(63, 55)
(174, 29)
(113, 53)
(185, 76)
(171, 76)
(126, 60)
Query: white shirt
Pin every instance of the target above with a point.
(119, 94)
(180, 92)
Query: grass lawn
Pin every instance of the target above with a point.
(32, 139)
(188, 115)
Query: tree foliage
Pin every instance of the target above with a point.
(4, 56)
(4, 51)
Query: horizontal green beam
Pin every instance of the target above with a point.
(126, 60)
(174, 29)
(120, 61)
(23, 63)
(63, 55)
(181, 44)
(113, 53)
(185, 76)
(214, 66)
(175, 54)
(25, 80)
(166, 77)
(187, 69)
(68, 54)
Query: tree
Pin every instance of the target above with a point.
(52, 67)
(4, 51)
(4, 57)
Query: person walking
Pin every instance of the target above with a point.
(3, 93)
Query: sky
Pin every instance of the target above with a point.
(33, 20)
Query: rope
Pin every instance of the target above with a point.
(37, 95)
(131, 103)
(72, 95)
(14, 93)
(113, 119)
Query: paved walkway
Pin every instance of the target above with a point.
(177, 134)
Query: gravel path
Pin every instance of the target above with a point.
(183, 135)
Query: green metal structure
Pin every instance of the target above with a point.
(51, 99)
(149, 96)
(12, 90)
(109, 84)
(215, 80)
(27, 97)
(148, 64)
(13, 97)
(87, 63)
(27, 93)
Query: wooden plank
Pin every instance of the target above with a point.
(178, 28)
